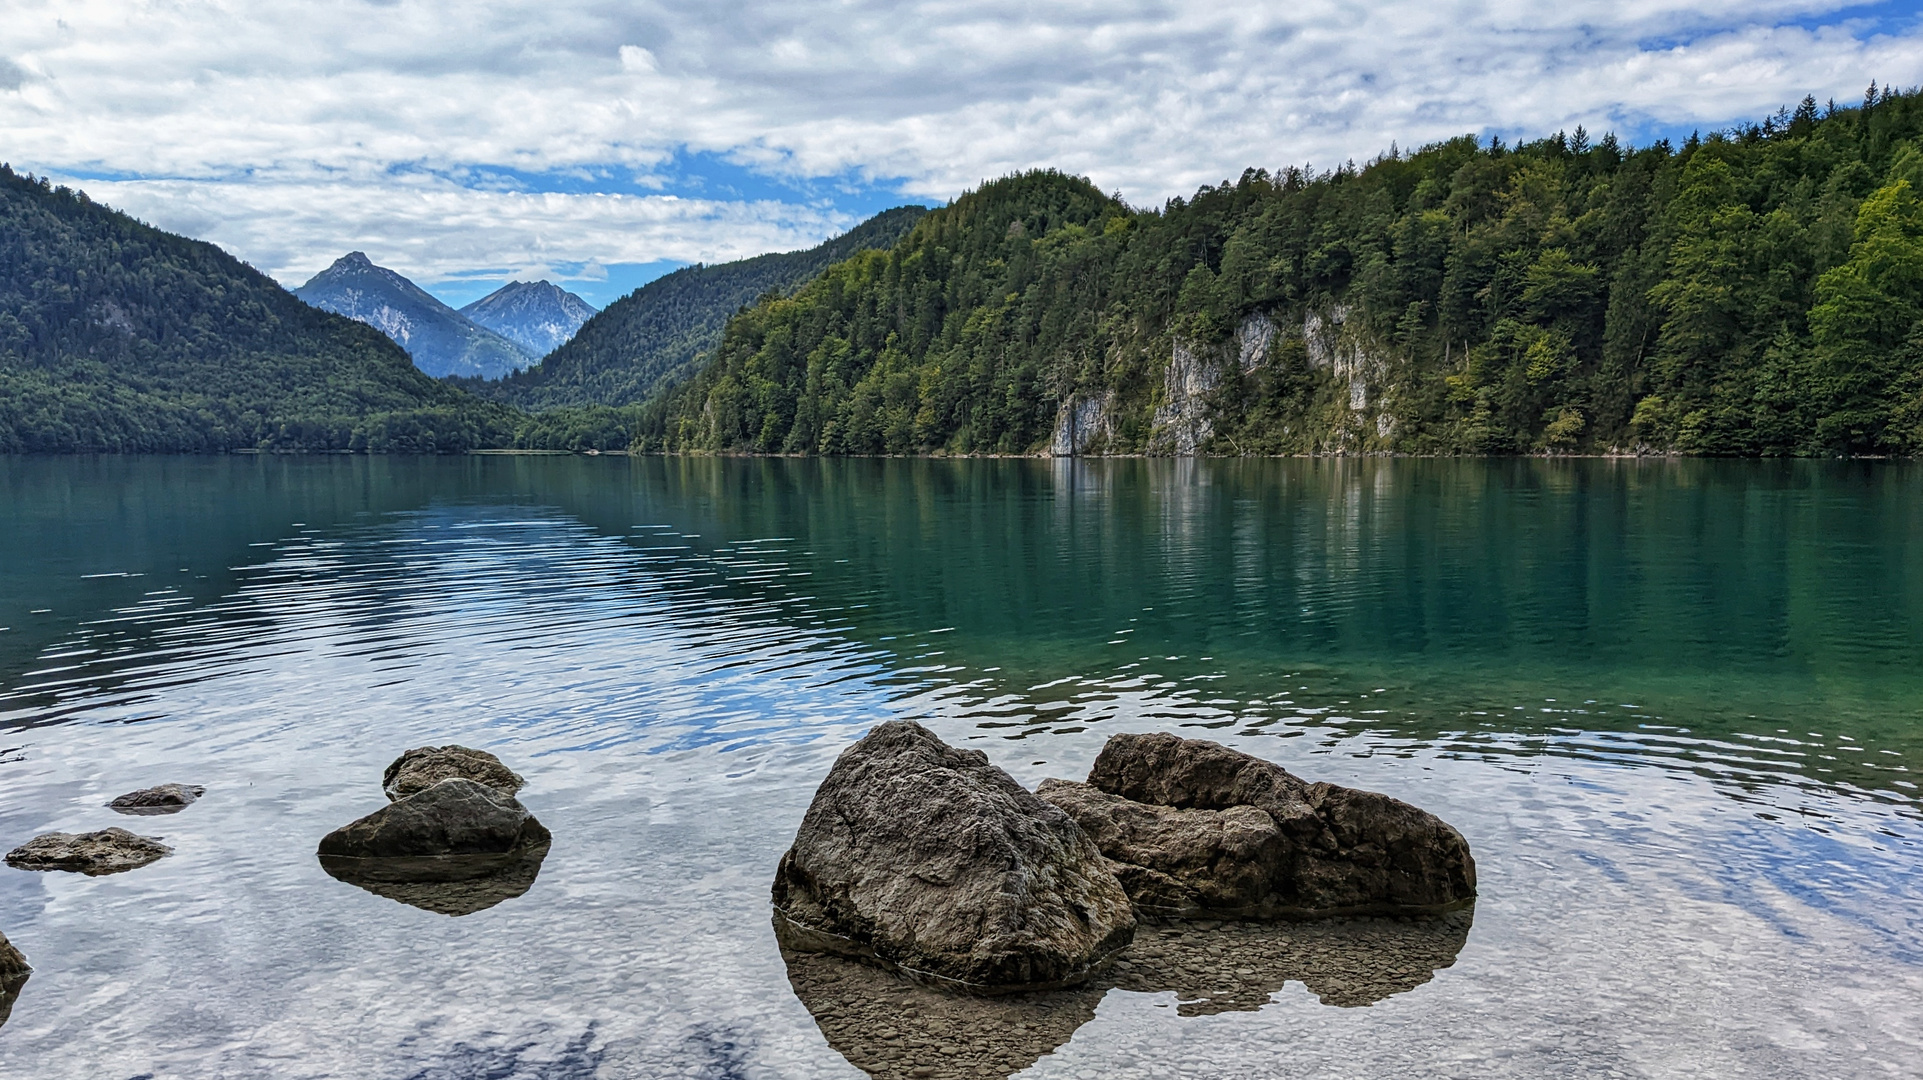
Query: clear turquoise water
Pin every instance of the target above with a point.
(1676, 707)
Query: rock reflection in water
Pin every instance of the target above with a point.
(899, 1030)
(446, 884)
(1236, 966)
(13, 976)
(895, 1029)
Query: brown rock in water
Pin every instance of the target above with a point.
(13, 976)
(454, 817)
(164, 799)
(937, 863)
(109, 851)
(423, 767)
(1194, 827)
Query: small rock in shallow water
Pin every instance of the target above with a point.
(423, 767)
(165, 799)
(454, 817)
(109, 851)
(13, 975)
(934, 861)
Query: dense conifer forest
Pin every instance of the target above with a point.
(1754, 292)
(118, 337)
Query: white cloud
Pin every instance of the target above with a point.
(290, 131)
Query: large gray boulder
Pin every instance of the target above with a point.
(423, 767)
(109, 851)
(163, 799)
(1193, 827)
(938, 864)
(454, 817)
(13, 976)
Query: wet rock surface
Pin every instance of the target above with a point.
(423, 767)
(13, 975)
(163, 799)
(933, 861)
(447, 884)
(895, 1029)
(109, 851)
(453, 817)
(1194, 828)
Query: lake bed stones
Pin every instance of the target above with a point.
(454, 817)
(109, 851)
(423, 767)
(163, 799)
(1195, 828)
(932, 861)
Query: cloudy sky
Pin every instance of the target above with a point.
(601, 142)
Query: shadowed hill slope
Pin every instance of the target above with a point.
(116, 336)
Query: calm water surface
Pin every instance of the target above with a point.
(1677, 709)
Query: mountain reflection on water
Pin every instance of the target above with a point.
(1675, 707)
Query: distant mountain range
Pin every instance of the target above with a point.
(442, 341)
(535, 315)
(624, 353)
(118, 337)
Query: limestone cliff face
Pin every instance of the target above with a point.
(1184, 421)
(1353, 375)
(1083, 422)
(1335, 344)
(1252, 339)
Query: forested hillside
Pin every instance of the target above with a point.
(620, 355)
(115, 336)
(1758, 291)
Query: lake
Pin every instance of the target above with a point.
(1676, 707)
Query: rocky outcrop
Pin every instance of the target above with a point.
(423, 767)
(164, 799)
(1182, 424)
(109, 851)
(1194, 828)
(1252, 337)
(1081, 422)
(454, 817)
(934, 862)
(13, 976)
